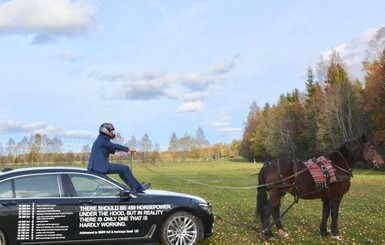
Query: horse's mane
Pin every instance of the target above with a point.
(352, 148)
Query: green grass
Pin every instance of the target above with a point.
(362, 211)
(361, 218)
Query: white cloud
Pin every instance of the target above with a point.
(69, 56)
(221, 127)
(46, 18)
(196, 96)
(142, 90)
(218, 124)
(229, 132)
(147, 85)
(223, 117)
(18, 127)
(172, 93)
(123, 76)
(226, 131)
(191, 106)
(155, 5)
(353, 52)
(223, 67)
(11, 126)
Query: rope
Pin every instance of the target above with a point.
(199, 183)
(280, 217)
(216, 186)
(249, 227)
(368, 171)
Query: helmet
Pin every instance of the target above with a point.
(107, 129)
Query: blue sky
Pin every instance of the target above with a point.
(158, 67)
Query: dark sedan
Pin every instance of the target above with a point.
(54, 205)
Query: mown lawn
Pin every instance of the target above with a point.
(230, 187)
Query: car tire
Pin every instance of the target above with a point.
(3, 241)
(181, 228)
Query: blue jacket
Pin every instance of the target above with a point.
(101, 149)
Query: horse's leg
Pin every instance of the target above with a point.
(266, 221)
(281, 232)
(334, 212)
(276, 216)
(325, 216)
(275, 205)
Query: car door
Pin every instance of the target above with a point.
(102, 212)
(34, 211)
(8, 209)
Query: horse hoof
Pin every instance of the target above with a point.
(267, 235)
(338, 237)
(272, 239)
(282, 234)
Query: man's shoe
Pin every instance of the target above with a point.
(143, 187)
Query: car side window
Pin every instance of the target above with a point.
(6, 189)
(37, 186)
(91, 186)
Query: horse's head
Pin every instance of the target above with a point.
(370, 154)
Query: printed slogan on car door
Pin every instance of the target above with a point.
(54, 222)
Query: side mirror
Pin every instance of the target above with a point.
(125, 194)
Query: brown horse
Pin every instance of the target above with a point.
(285, 175)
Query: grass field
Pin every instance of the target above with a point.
(362, 211)
(230, 187)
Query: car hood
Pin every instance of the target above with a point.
(174, 194)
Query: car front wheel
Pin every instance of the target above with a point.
(3, 241)
(181, 228)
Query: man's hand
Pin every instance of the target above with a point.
(132, 150)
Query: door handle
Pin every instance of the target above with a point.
(9, 204)
(86, 202)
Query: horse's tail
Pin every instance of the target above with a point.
(262, 194)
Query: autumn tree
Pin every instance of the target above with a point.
(339, 109)
(374, 93)
(221, 150)
(202, 143)
(2, 153)
(35, 148)
(11, 149)
(284, 128)
(234, 148)
(250, 126)
(119, 139)
(57, 145)
(311, 116)
(132, 143)
(85, 153)
(145, 145)
(156, 156)
(173, 146)
(186, 144)
(259, 139)
(201, 139)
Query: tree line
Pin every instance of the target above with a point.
(333, 109)
(39, 148)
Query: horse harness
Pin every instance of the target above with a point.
(322, 171)
(296, 192)
(325, 166)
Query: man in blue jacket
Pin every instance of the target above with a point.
(99, 159)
